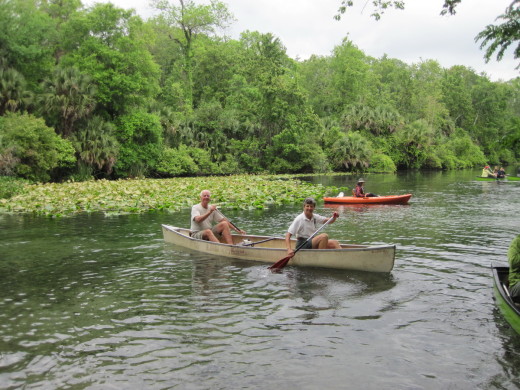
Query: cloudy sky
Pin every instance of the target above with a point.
(307, 27)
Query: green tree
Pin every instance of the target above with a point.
(395, 83)
(457, 88)
(61, 12)
(316, 76)
(176, 162)
(490, 102)
(26, 39)
(351, 76)
(499, 37)
(380, 120)
(185, 23)
(426, 100)
(141, 144)
(111, 46)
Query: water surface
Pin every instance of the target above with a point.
(94, 302)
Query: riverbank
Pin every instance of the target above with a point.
(164, 195)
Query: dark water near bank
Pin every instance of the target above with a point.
(95, 302)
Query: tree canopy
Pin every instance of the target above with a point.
(110, 95)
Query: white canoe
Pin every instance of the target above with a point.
(377, 258)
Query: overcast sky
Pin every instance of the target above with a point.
(307, 27)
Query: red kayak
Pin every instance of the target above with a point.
(389, 199)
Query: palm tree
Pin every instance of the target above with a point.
(415, 141)
(379, 120)
(96, 145)
(13, 93)
(352, 151)
(69, 96)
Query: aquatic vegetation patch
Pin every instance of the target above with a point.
(161, 195)
(11, 186)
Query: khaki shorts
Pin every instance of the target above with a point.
(198, 235)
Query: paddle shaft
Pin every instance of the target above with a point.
(312, 236)
(259, 242)
(235, 226)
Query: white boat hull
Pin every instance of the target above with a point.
(350, 257)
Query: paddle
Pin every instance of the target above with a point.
(283, 262)
(259, 242)
(235, 226)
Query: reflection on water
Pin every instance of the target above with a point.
(95, 302)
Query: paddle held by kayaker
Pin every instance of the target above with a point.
(208, 224)
(305, 224)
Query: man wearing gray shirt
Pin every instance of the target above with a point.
(207, 223)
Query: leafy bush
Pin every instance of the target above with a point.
(248, 154)
(176, 162)
(381, 163)
(458, 151)
(229, 165)
(30, 149)
(203, 160)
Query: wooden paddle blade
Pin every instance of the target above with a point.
(281, 263)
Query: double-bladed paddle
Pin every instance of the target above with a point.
(283, 262)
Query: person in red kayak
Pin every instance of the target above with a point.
(359, 191)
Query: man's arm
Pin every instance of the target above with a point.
(288, 242)
(203, 217)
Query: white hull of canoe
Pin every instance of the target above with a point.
(350, 257)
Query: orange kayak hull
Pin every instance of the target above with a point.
(389, 199)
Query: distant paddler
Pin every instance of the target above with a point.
(486, 172)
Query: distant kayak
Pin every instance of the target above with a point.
(389, 199)
(507, 178)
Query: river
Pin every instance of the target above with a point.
(95, 302)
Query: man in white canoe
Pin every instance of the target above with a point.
(207, 223)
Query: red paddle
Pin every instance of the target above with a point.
(283, 262)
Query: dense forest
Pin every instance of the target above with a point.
(98, 92)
